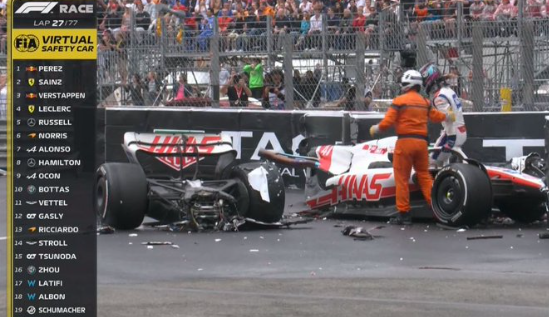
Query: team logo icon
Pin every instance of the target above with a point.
(31, 122)
(31, 310)
(31, 69)
(32, 96)
(31, 189)
(32, 135)
(31, 109)
(31, 162)
(31, 82)
(32, 229)
(31, 270)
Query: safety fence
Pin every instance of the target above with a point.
(318, 60)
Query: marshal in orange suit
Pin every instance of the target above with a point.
(409, 114)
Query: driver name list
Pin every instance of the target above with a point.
(53, 67)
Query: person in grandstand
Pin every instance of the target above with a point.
(254, 71)
(136, 90)
(274, 95)
(445, 99)
(237, 91)
(182, 90)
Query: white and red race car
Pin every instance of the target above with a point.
(360, 179)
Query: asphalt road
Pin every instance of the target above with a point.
(313, 270)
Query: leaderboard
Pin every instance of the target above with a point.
(52, 110)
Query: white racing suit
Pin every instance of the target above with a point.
(453, 134)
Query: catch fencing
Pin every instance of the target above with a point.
(321, 61)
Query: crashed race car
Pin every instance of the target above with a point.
(187, 178)
(359, 179)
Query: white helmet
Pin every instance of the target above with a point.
(410, 79)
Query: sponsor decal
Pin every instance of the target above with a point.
(171, 145)
(356, 187)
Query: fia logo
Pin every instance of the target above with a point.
(26, 43)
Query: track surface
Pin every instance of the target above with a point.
(313, 270)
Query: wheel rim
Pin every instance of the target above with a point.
(449, 196)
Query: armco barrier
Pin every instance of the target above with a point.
(492, 137)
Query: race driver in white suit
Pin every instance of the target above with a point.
(453, 134)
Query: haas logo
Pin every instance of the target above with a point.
(172, 145)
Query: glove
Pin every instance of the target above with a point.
(373, 130)
(451, 116)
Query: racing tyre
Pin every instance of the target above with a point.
(522, 211)
(120, 195)
(259, 209)
(461, 195)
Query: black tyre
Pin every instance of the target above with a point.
(462, 195)
(522, 211)
(120, 195)
(257, 208)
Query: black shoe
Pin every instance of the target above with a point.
(402, 218)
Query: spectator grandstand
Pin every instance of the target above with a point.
(314, 53)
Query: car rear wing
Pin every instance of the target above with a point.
(178, 143)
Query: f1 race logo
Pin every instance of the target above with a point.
(42, 7)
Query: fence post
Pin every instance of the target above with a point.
(422, 55)
(270, 43)
(459, 27)
(163, 42)
(360, 80)
(288, 71)
(215, 66)
(324, 18)
(527, 48)
(381, 16)
(478, 68)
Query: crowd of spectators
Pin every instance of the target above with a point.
(242, 24)
(242, 27)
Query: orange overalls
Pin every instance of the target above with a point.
(409, 113)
